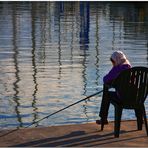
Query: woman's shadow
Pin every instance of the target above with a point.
(77, 138)
(67, 140)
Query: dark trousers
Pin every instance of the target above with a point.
(106, 98)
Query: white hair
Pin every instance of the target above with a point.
(119, 58)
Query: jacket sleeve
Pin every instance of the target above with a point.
(111, 75)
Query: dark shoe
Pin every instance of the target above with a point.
(101, 121)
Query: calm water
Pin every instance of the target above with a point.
(53, 54)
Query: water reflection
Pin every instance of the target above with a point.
(84, 38)
(16, 67)
(97, 51)
(55, 53)
(84, 25)
(59, 44)
(34, 101)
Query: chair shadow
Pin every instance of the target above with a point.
(76, 138)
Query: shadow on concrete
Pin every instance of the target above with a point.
(77, 138)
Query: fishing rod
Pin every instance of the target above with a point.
(54, 113)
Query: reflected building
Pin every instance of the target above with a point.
(84, 25)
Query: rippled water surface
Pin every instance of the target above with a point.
(53, 54)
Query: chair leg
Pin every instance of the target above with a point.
(139, 115)
(118, 113)
(145, 120)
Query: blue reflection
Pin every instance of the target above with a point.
(84, 25)
(61, 7)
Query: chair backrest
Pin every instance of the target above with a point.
(132, 86)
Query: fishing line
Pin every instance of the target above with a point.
(54, 113)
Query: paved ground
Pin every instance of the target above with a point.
(82, 135)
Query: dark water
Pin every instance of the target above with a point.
(55, 53)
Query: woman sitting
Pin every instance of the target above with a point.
(120, 63)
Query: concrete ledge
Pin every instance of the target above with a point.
(80, 135)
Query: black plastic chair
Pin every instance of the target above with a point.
(132, 88)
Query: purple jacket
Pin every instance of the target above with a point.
(114, 72)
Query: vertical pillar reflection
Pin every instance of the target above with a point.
(84, 36)
(16, 65)
(59, 44)
(72, 38)
(35, 115)
(84, 25)
(84, 41)
(97, 51)
(96, 63)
